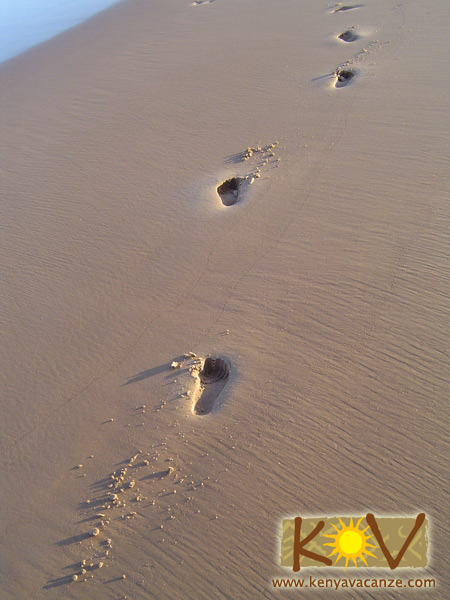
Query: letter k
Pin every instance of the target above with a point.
(299, 545)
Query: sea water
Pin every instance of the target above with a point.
(25, 23)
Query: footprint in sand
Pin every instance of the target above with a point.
(343, 77)
(233, 189)
(229, 190)
(348, 36)
(212, 378)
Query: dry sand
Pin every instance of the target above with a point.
(325, 288)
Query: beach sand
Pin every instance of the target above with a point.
(324, 288)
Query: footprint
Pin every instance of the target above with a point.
(213, 378)
(348, 36)
(344, 7)
(235, 188)
(343, 77)
(229, 190)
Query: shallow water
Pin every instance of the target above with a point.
(25, 23)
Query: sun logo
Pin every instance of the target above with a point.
(350, 542)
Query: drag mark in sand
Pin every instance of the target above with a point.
(212, 379)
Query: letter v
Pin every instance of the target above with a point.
(393, 563)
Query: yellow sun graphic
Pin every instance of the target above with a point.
(350, 542)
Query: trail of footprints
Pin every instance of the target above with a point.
(232, 190)
(344, 75)
(209, 375)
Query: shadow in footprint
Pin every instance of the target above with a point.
(213, 378)
(343, 77)
(229, 190)
(348, 36)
